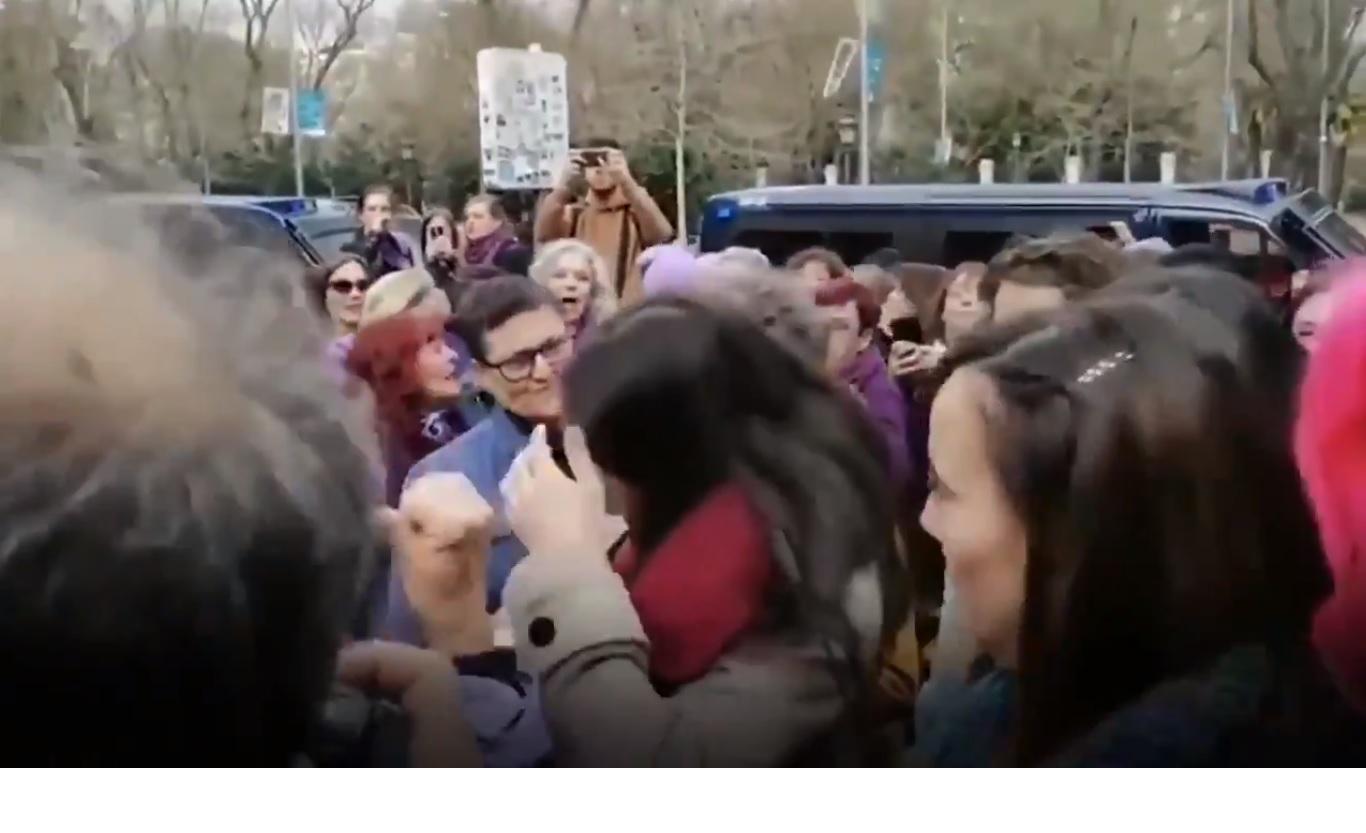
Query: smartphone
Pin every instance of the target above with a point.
(907, 329)
(554, 437)
(592, 157)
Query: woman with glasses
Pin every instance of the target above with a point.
(337, 291)
(576, 275)
(519, 344)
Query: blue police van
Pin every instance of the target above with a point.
(950, 224)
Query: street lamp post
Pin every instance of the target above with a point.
(407, 154)
(1228, 92)
(848, 129)
(864, 176)
(944, 86)
(295, 138)
(1324, 161)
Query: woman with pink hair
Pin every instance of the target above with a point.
(1330, 445)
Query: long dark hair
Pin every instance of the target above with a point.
(1165, 519)
(677, 397)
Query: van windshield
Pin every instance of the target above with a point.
(1315, 213)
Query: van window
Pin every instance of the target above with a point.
(778, 246)
(962, 246)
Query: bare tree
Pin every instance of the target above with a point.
(256, 16)
(1294, 79)
(328, 28)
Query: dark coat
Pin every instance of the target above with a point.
(1254, 706)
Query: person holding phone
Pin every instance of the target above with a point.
(617, 216)
(383, 249)
(443, 247)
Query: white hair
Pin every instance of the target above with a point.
(736, 258)
(603, 297)
(774, 300)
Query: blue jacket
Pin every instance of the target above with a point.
(483, 454)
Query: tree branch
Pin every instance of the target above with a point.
(1254, 55)
(1340, 76)
(1344, 80)
(352, 11)
(1290, 48)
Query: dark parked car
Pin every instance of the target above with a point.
(192, 225)
(329, 230)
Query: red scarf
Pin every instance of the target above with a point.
(703, 588)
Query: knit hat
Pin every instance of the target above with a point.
(396, 292)
(735, 258)
(670, 270)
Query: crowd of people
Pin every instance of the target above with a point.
(595, 499)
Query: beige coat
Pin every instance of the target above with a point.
(767, 701)
(619, 227)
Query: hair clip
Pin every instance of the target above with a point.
(1104, 366)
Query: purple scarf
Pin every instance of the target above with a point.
(481, 252)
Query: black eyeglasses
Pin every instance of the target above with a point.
(435, 231)
(519, 366)
(346, 287)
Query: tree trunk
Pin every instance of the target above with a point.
(1337, 176)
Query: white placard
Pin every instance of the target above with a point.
(275, 111)
(1071, 167)
(1167, 167)
(523, 118)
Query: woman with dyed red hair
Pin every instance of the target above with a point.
(853, 358)
(412, 372)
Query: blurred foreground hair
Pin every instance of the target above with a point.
(184, 502)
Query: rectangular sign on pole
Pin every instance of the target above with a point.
(839, 65)
(877, 61)
(275, 111)
(312, 114)
(523, 118)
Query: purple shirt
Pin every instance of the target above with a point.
(868, 375)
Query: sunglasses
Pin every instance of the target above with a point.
(434, 232)
(346, 287)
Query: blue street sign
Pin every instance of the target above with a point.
(312, 113)
(877, 59)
